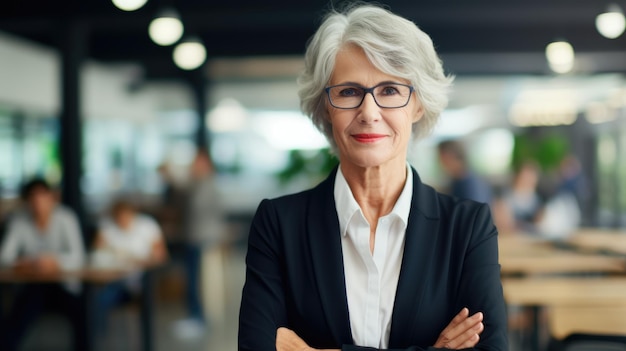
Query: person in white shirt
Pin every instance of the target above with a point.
(372, 258)
(42, 238)
(125, 239)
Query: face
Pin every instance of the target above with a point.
(41, 202)
(447, 161)
(370, 136)
(124, 218)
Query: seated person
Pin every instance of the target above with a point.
(520, 208)
(126, 239)
(134, 238)
(43, 237)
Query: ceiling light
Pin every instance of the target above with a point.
(189, 54)
(129, 5)
(560, 55)
(166, 29)
(611, 24)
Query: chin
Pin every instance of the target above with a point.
(367, 159)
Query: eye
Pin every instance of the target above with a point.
(350, 92)
(389, 90)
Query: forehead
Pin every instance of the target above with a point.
(353, 66)
(38, 190)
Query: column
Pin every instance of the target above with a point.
(73, 47)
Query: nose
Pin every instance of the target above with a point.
(369, 111)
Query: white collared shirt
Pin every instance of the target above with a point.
(371, 278)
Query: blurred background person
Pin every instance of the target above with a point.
(562, 212)
(572, 180)
(171, 206)
(519, 207)
(203, 230)
(43, 237)
(464, 183)
(126, 239)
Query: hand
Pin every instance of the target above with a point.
(25, 265)
(287, 340)
(47, 264)
(462, 332)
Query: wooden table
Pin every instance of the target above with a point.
(523, 255)
(92, 278)
(610, 241)
(537, 260)
(572, 299)
(565, 291)
(601, 320)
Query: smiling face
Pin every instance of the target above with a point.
(370, 136)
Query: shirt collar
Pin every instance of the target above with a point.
(347, 206)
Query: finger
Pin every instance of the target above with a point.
(461, 326)
(468, 338)
(458, 319)
(473, 341)
(456, 335)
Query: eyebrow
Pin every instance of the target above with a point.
(362, 86)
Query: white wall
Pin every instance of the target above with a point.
(29, 75)
(30, 80)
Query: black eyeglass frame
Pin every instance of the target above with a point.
(366, 91)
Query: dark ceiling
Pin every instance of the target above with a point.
(489, 30)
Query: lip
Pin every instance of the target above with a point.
(368, 137)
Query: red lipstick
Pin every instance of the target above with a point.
(368, 137)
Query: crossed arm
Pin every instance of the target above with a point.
(463, 332)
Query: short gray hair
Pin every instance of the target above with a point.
(394, 45)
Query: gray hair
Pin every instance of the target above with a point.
(394, 45)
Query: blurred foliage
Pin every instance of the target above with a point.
(313, 164)
(547, 151)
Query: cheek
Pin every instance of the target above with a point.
(339, 121)
(404, 124)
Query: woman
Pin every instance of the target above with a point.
(371, 257)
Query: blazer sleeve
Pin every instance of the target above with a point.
(263, 300)
(480, 288)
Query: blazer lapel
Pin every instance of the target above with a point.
(422, 225)
(325, 243)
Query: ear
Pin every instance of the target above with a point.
(419, 111)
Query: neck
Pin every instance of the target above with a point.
(376, 189)
(42, 220)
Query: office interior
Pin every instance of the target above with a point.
(96, 107)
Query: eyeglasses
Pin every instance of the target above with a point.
(386, 95)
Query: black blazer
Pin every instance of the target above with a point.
(295, 276)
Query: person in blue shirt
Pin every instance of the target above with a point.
(464, 184)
